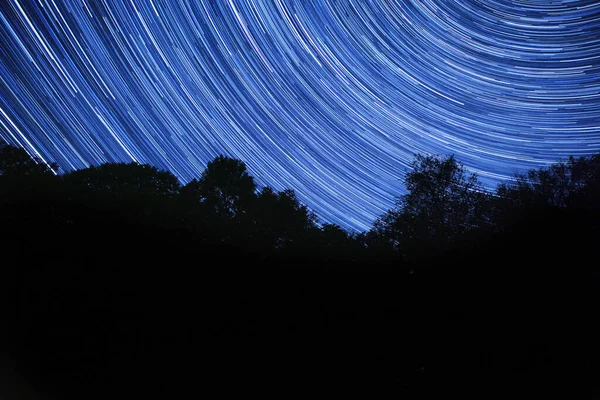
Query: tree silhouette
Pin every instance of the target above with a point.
(114, 194)
(443, 202)
(336, 244)
(15, 161)
(125, 179)
(24, 179)
(225, 188)
(565, 184)
(100, 288)
(334, 235)
(279, 220)
(29, 191)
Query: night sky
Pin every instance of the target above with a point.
(330, 98)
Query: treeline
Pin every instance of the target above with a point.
(127, 205)
(444, 208)
(119, 278)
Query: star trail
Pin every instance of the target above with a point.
(330, 98)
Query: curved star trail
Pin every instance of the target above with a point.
(330, 98)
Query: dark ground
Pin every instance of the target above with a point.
(122, 326)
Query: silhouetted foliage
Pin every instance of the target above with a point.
(333, 236)
(443, 202)
(279, 219)
(121, 179)
(28, 195)
(567, 184)
(115, 277)
(15, 161)
(24, 178)
(138, 195)
(224, 188)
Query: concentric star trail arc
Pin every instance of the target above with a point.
(330, 98)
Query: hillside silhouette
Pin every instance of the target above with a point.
(119, 281)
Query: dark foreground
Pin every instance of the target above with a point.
(117, 282)
(488, 321)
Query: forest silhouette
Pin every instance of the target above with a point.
(119, 281)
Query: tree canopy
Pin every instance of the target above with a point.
(98, 257)
(444, 205)
(225, 187)
(574, 183)
(15, 161)
(443, 201)
(125, 179)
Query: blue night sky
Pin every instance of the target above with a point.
(330, 98)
